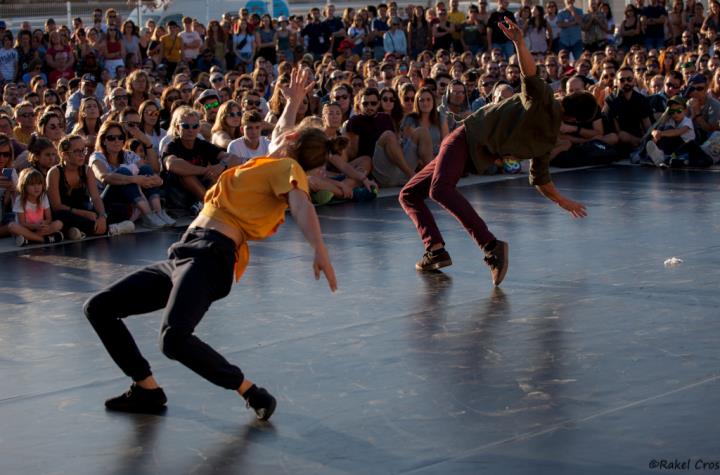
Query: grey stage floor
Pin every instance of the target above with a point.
(593, 358)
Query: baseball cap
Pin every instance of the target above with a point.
(89, 78)
(208, 93)
(697, 79)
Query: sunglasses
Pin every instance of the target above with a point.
(234, 114)
(388, 99)
(341, 97)
(675, 111)
(218, 79)
(6, 154)
(697, 88)
(119, 97)
(187, 126)
(113, 138)
(132, 124)
(369, 103)
(626, 79)
(252, 103)
(211, 105)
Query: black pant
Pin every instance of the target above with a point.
(199, 270)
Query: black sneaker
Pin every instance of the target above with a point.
(433, 260)
(497, 259)
(261, 401)
(138, 400)
(53, 238)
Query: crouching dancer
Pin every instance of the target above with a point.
(525, 126)
(247, 202)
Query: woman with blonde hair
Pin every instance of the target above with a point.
(227, 124)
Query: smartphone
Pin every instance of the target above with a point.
(10, 174)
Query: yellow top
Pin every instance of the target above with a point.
(253, 198)
(20, 136)
(172, 48)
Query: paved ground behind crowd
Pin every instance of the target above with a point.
(593, 358)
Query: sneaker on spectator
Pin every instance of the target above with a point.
(74, 234)
(123, 227)
(363, 194)
(322, 197)
(655, 154)
(165, 218)
(152, 221)
(196, 208)
(20, 241)
(54, 238)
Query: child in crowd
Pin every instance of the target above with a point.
(673, 141)
(32, 212)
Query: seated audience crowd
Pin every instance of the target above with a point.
(110, 123)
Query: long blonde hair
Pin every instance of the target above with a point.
(221, 126)
(178, 115)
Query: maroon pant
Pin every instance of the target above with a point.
(437, 181)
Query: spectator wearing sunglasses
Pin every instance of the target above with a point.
(227, 124)
(127, 184)
(704, 110)
(674, 140)
(629, 111)
(193, 164)
(208, 104)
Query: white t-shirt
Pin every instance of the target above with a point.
(130, 161)
(686, 122)
(239, 148)
(33, 213)
(188, 37)
(8, 63)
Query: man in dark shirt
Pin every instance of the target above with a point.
(371, 132)
(317, 34)
(629, 110)
(495, 36)
(654, 18)
(334, 27)
(525, 126)
(192, 164)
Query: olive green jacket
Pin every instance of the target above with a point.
(525, 126)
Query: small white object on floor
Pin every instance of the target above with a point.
(673, 262)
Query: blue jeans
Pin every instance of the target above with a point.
(507, 48)
(654, 43)
(118, 199)
(576, 49)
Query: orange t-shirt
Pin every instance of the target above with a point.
(253, 197)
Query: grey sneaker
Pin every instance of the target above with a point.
(74, 234)
(497, 259)
(655, 154)
(123, 227)
(20, 241)
(152, 221)
(165, 218)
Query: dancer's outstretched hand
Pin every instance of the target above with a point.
(322, 264)
(511, 30)
(300, 85)
(577, 210)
